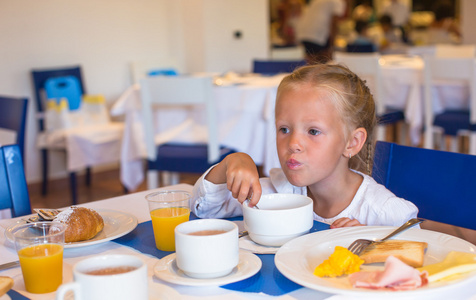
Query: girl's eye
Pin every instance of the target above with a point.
(314, 132)
(284, 130)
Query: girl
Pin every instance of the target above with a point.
(325, 118)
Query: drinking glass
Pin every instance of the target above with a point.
(40, 249)
(167, 210)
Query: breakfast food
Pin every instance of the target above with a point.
(83, 223)
(396, 276)
(6, 283)
(409, 252)
(455, 265)
(341, 262)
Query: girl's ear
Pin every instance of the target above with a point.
(356, 142)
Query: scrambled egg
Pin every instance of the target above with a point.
(341, 262)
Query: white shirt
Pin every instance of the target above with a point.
(373, 204)
(399, 12)
(315, 23)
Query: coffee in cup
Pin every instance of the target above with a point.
(207, 248)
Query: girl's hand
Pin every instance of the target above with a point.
(345, 222)
(239, 172)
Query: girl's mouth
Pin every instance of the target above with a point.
(293, 164)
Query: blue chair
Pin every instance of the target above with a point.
(60, 82)
(361, 48)
(452, 122)
(13, 188)
(272, 67)
(441, 184)
(13, 117)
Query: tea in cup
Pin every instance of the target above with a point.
(40, 250)
(108, 277)
(167, 210)
(207, 248)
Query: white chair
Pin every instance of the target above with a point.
(174, 157)
(453, 123)
(367, 66)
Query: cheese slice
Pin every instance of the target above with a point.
(455, 265)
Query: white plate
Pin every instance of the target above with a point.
(297, 259)
(167, 270)
(116, 224)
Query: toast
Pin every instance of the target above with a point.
(6, 283)
(409, 252)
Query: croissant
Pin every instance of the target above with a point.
(83, 223)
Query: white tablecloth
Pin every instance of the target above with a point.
(88, 145)
(245, 107)
(136, 205)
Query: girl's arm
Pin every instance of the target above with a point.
(241, 176)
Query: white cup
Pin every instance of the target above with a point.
(211, 255)
(131, 284)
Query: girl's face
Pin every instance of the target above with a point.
(310, 136)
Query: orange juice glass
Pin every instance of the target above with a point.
(167, 210)
(40, 250)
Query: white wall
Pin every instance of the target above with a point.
(105, 36)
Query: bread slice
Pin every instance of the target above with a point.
(409, 252)
(6, 283)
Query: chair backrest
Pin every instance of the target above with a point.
(271, 67)
(40, 77)
(448, 50)
(437, 68)
(13, 188)
(64, 87)
(439, 183)
(367, 67)
(360, 48)
(179, 90)
(13, 117)
(150, 67)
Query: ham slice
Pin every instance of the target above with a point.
(396, 276)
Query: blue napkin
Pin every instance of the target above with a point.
(268, 280)
(16, 295)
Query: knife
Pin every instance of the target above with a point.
(9, 265)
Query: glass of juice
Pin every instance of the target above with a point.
(40, 249)
(167, 210)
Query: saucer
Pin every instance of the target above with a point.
(247, 244)
(167, 270)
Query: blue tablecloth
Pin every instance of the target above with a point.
(268, 280)
(16, 295)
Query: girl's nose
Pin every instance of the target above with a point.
(294, 144)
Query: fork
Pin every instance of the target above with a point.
(359, 245)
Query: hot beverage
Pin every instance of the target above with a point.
(207, 232)
(112, 270)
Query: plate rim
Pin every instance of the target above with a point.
(280, 265)
(86, 242)
(243, 254)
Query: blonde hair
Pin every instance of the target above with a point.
(351, 97)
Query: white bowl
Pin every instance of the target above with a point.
(279, 219)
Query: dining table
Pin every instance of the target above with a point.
(128, 216)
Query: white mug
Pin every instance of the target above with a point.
(116, 277)
(213, 253)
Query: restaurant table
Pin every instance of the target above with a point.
(267, 283)
(245, 108)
